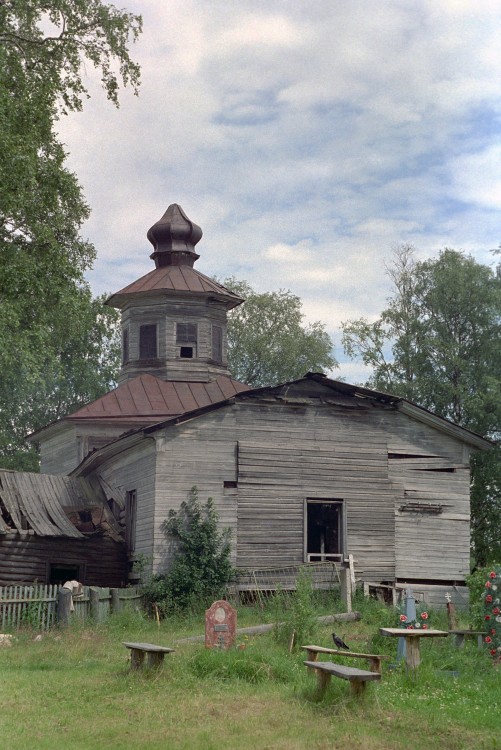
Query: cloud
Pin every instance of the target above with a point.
(305, 138)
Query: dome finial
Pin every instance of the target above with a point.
(174, 237)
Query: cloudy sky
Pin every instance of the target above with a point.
(305, 137)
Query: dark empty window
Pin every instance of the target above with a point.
(125, 346)
(324, 530)
(59, 573)
(186, 339)
(217, 343)
(130, 520)
(148, 341)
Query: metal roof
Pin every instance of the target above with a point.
(148, 399)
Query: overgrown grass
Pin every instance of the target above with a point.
(73, 689)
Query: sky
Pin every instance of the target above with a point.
(307, 138)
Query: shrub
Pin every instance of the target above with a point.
(201, 566)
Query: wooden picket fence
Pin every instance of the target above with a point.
(35, 605)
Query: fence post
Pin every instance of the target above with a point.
(94, 603)
(115, 601)
(63, 607)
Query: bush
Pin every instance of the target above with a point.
(201, 567)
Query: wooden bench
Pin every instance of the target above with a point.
(373, 659)
(460, 635)
(154, 654)
(357, 677)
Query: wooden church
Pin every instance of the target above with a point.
(306, 471)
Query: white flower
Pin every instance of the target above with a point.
(494, 587)
(498, 618)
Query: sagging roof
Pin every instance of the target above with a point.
(54, 506)
(312, 385)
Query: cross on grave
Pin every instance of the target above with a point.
(410, 612)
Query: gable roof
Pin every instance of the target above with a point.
(314, 385)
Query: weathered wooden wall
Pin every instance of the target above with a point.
(25, 558)
(137, 472)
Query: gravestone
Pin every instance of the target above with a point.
(220, 625)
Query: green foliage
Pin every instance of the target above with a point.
(57, 346)
(437, 344)
(476, 587)
(491, 600)
(253, 664)
(201, 568)
(267, 340)
(296, 613)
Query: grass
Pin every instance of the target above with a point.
(73, 689)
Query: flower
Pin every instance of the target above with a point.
(493, 631)
(425, 627)
(492, 574)
(498, 618)
(488, 584)
(424, 615)
(403, 618)
(487, 617)
(496, 611)
(488, 598)
(410, 627)
(488, 639)
(493, 652)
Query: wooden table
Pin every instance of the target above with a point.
(412, 641)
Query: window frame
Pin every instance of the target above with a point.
(341, 546)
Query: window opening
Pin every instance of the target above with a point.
(324, 530)
(59, 573)
(148, 341)
(217, 343)
(186, 339)
(125, 346)
(130, 520)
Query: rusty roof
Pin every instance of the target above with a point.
(147, 399)
(175, 279)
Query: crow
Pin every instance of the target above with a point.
(339, 642)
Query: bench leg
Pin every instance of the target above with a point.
(357, 687)
(155, 659)
(374, 664)
(136, 658)
(323, 680)
(459, 640)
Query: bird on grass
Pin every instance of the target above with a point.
(339, 642)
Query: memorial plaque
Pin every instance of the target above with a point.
(220, 625)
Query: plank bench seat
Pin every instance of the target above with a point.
(373, 659)
(357, 677)
(154, 654)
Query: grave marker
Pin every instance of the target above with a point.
(220, 625)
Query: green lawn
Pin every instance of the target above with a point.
(73, 689)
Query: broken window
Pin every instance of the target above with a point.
(59, 573)
(186, 340)
(324, 535)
